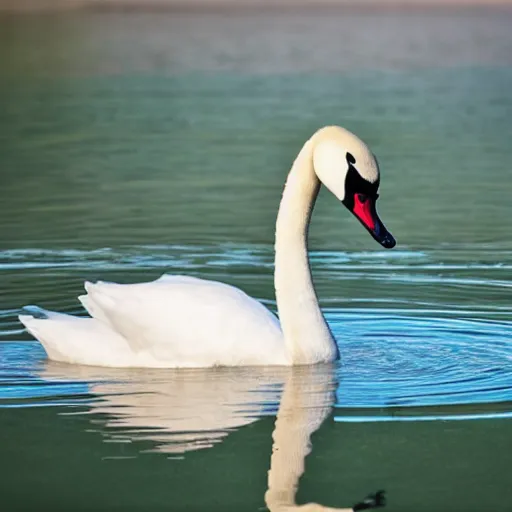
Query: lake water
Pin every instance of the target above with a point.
(138, 143)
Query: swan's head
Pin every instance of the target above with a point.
(347, 167)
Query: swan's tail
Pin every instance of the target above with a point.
(36, 320)
(72, 339)
(49, 328)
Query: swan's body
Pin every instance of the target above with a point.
(179, 321)
(131, 325)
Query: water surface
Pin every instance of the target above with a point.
(134, 144)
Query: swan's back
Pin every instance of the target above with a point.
(177, 321)
(191, 321)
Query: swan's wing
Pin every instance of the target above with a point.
(72, 339)
(94, 310)
(188, 321)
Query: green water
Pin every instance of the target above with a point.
(133, 144)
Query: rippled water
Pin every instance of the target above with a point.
(126, 157)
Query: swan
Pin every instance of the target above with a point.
(183, 322)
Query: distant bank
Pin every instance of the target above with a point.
(196, 5)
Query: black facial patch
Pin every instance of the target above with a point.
(356, 184)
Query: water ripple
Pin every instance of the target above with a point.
(158, 256)
(431, 347)
(387, 361)
(394, 360)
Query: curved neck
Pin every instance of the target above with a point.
(307, 336)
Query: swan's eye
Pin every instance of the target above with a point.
(356, 184)
(350, 158)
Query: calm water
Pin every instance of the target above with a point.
(133, 144)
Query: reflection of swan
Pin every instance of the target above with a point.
(179, 321)
(187, 410)
(306, 401)
(180, 410)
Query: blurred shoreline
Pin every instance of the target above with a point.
(31, 6)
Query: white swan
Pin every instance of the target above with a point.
(179, 321)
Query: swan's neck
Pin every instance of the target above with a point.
(307, 337)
